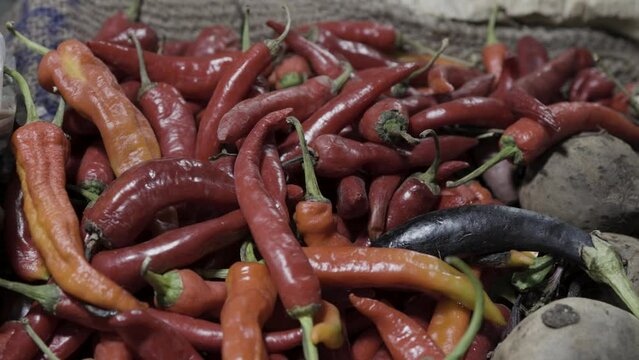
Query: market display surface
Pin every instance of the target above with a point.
(338, 191)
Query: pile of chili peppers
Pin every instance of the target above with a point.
(217, 197)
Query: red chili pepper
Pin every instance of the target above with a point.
(274, 177)
(380, 193)
(213, 39)
(67, 339)
(131, 88)
(352, 200)
(494, 52)
(174, 47)
(359, 55)
(531, 55)
(117, 28)
(525, 105)
(621, 100)
(507, 79)
(94, 173)
(294, 194)
(444, 79)
(111, 347)
(386, 122)
(292, 71)
(479, 86)
(194, 77)
(297, 285)
(322, 60)
(404, 338)
(591, 84)
(467, 194)
(235, 82)
(417, 103)
(77, 126)
(382, 354)
(168, 114)
(366, 345)
(16, 344)
(383, 37)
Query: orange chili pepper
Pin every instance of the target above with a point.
(328, 327)
(494, 52)
(41, 150)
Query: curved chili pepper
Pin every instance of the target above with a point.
(494, 52)
(386, 122)
(297, 286)
(41, 150)
(94, 173)
(380, 193)
(479, 86)
(75, 125)
(67, 338)
(250, 302)
(111, 347)
(174, 47)
(448, 324)
(130, 89)
(591, 84)
(291, 71)
(509, 74)
(322, 60)
(234, 84)
(213, 39)
(304, 100)
(151, 338)
(404, 338)
(621, 100)
(168, 114)
(172, 249)
(16, 344)
(383, 37)
(22, 254)
(531, 55)
(117, 28)
(294, 194)
(470, 193)
(128, 205)
(444, 79)
(525, 105)
(314, 215)
(475, 111)
(328, 327)
(359, 55)
(416, 103)
(500, 179)
(274, 177)
(366, 345)
(185, 292)
(526, 139)
(352, 200)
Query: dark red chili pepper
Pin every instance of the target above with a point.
(297, 285)
(366, 345)
(213, 39)
(621, 101)
(474, 111)
(173, 249)
(403, 336)
(235, 82)
(463, 195)
(479, 86)
(111, 347)
(383, 37)
(359, 55)
(294, 194)
(67, 338)
(22, 254)
(322, 60)
(94, 173)
(494, 52)
(128, 205)
(380, 193)
(16, 344)
(525, 105)
(174, 47)
(417, 103)
(151, 338)
(591, 84)
(77, 126)
(386, 122)
(444, 79)
(507, 79)
(130, 89)
(274, 177)
(531, 55)
(168, 114)
(291, 71)
(117, 28)
(194, 77)
(352, 200)
(382, 354)
(305, 100)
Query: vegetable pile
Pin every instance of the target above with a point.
(307, 196)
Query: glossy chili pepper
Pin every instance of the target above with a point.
(526, 139)
(292, 71)
(130, 89)
(467, 194)
(322, 60)
(22, 254)
(474, 111)
(621, 100)
(339, 157)
(304, 100)
(294, 194)
(126, 207)
(359, 55)
(174, 47)
(234, 84)
(16, 344)
(448, 324)
(185, 292)
(525, 105)
(94, 173)
(366, 345)
(507, 79)
(151, 338)
(274, 177)
(117, 28)
(250, 302)
(111, 347)
(168, 114)
(194, 77)
(383, 37)
(386, 122)
(314, 215)
(403, 336)
(352, 200)
(494, 52)
(416, 103)
(67, 338)
(531, 55)
(77, 126)
(213, 39)
(444, 79)
(380, 193)
(591, 84)
(297, 285)
(41, 150)
(173, 249)
(354, 267)
(479, 86)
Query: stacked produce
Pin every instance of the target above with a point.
(306, 196)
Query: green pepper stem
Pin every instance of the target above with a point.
(89, 195)
(37, 340)
(339, 81)
(429, 176)
(34, 46)
(246, 31)
(291, 79)
(133, 11)
(476, 320)
(491, 34)
(399, 89)
(59, 114)
(632, 101)
(418, 47)
(213, 273)
(391, 125)
(247, 252)
(313, 192)
(32, 113)
(46, 295)
(145, 81)
(168, 287)
(310, 350)
(274, 44)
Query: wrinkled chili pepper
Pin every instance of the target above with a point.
(94, 173)
(444, 79)
(314, 215)
(526, 139)
(292, 71)
(591, 84)
(494, 52)
(403, 336)
(250, 302)
(352, 200)
(151, 338)
(297, 285)
(383, 37)
(41, 150)
(16, 344)
(167, 112)
(359, 55)
(531, 55)
(111, 347)
(213, 39)
(234, 84)
(386, 122)
(118, 26)
(67, 338)
(22, 254)
(525, 105)
(380, 193)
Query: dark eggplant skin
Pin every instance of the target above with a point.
(487, 229)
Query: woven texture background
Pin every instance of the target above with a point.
(51, 21)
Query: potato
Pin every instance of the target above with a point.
(573, 328)
(590, 181)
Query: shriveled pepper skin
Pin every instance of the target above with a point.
(88, 87)
(41, 150)
(250, 302)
